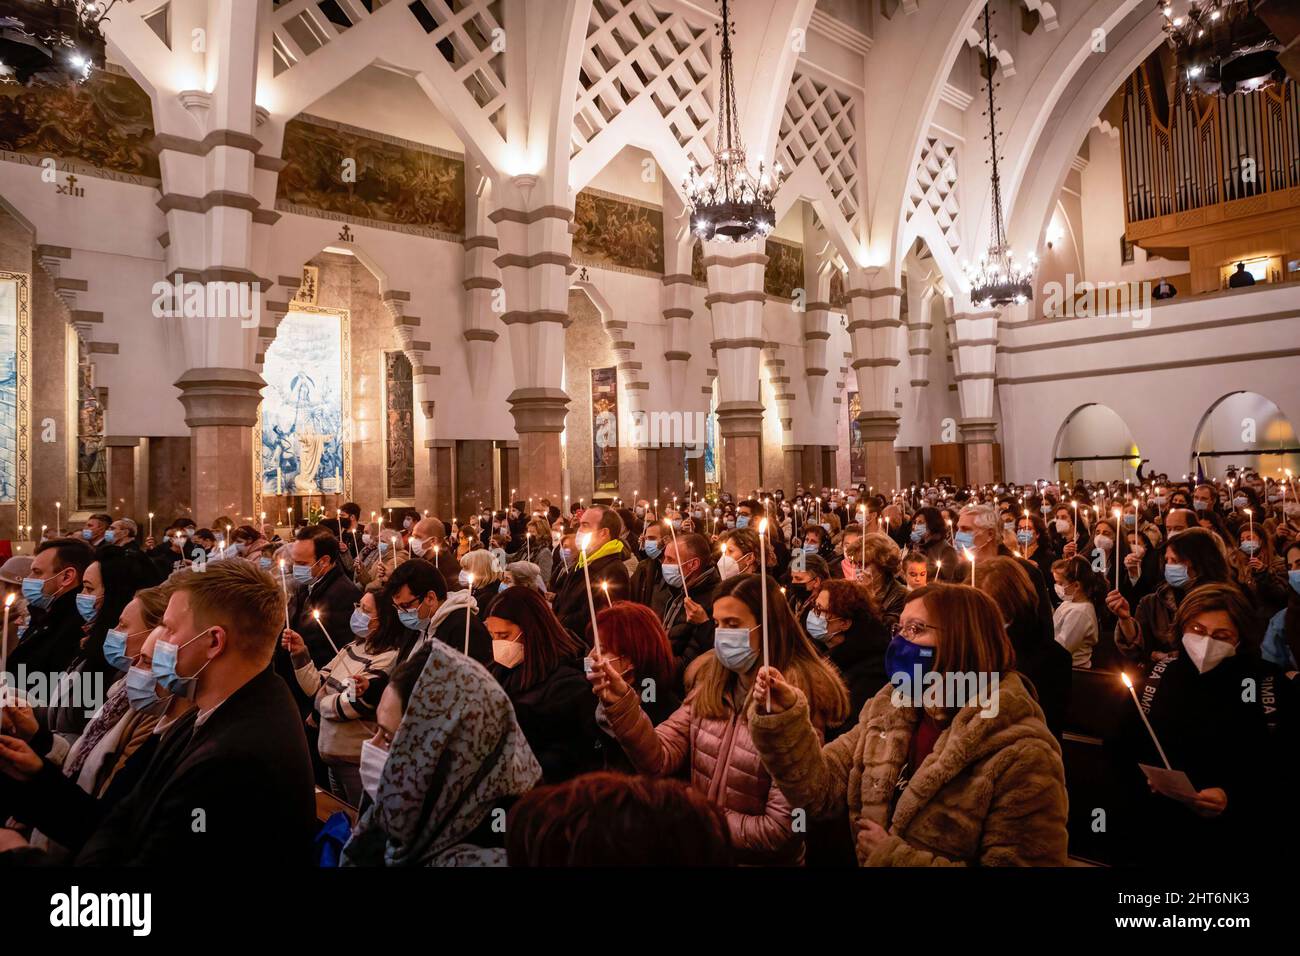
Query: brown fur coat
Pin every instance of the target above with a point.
(992, 792)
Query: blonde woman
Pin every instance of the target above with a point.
(486, 574)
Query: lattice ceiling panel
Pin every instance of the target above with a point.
(934, 186)
(635, 49)
(468, 33)
(819, 122)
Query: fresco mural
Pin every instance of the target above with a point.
(399, 426)
(302, 407)
(857, 454)
(106, 122)
(92, 465)
(399, 183)
(618, 232)
(784, 272)
(604, 428)
(711, 482)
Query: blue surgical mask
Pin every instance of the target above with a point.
(1200, 505)
(919, 531)
(110, 536)
(410, 618)
(742, 521)
(731, 644)
(87, 534)
(1250, 547)
(383, 547)
(164, 667)
(1025, 538)
(502, 586)
(1176, 575)
(142, 689)
(87, 607)
(115, 649)
(809, 548)
(34, 593)
(264, 563)
(672, 574)
(1130, 520)
(964, 539)
(1240, 501)
(652, 548)
(903, 657)
(1293, 578)
(360, 623)
(815, 625)
(567, 555)
(302, 573)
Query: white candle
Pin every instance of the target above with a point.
(970, 556)
(1119, 529)
(316, 617)
(4, 648)
(1141, 713)
(584, 540)
(58, 519)
(685, 591)
(284, 583)
(762, 565)
(469, 577)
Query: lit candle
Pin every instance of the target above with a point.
(1250, 519)
(284, 583)
(4, 645)
(469, 579)
(970, 556)
(151, 524)
(58, 519)
(604, 586)
(315, 614)
(762, 566)
(584, 540)
(1119, 529)
(1141, 713)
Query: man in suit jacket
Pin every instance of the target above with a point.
(322, 587)
(231, 783)
(600, 529)
(53, 637)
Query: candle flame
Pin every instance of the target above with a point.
(316, 616)
(1124, 677)
(762, 526)
(9, 598)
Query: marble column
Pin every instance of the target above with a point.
(221, 410)
(875, 330)
(974, 350)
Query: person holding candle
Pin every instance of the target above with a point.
(709, 735)
(877, 561)
(1281, 644)
(1033, 543)
(1236, 748)
(602, 559)
(846, 626)
(535, 544)
(1145, 635)
(1260, 570)
(929, 535)
(1082, 593)
(979, 532)
(481, 573)
(539, 663)
(691, 578)
(993, 793)
(646, 585)
(428, 611)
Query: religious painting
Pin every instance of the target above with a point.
(105, 122)
(839, 300)
(92, 464)
(604, 428)
(303, 405)
(14, 401)
(618, 232)
(857, 453)
(399, 426)
(711, 481)
(698, 272)
(784, 272)
(348, 172)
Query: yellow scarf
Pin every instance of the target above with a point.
(614, 546)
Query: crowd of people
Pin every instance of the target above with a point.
(823, 678)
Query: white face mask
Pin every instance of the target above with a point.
(1105, 542)
(1062, 526)
(508, 653)
(1206, 653)
(727, 567)
(373, 758)
(417, 547)
(1060, 592)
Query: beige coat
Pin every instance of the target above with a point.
(992, 792)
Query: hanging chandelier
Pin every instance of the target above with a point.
(50, 41)
(997, 279)
(1221, 46)
(727, 202)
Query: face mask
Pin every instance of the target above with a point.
(1130, 520)
(652, 548)
(1239, 502)
(360, 623)
(110, 536)
(410, 618)
(164, 667)
(87, 534)
(115, 649)
(87, 607)
(731, 644)
(417, 547)
(826, 525)
(463, 578)
(1062, 526)
(903, 657)
(742, 521)
(1162, 500)
(640, 511)
(302, 573)
(918, 532)
(383, 547)
(815, 625)
(373, 759)
(672, 574)
(1060, 592)
(567, 554)
(142, 689)
(34, 593)
(1293, 578)
(1105, 542)
(264, 564)
(407, 524)
(508, 653)
(366, 539)
(189, 532)
(1045, 509)
(809, 548)
(1250, 547)
(964, 539)
(1206, 652)
(1176, 574)
(1200, 505)
(1274, 499)
(727, 567)
(1024, 538)
(233, 551)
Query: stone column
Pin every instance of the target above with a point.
(123, 486)
(482, 282)
(221, 409)
(441, 455)
(874, 330)
(735, 300)
(792, 473)
(974, 352)
(535, 261)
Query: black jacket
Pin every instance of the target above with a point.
(52, 640)
(335, 596)
(570, 604)
(558, 718)
(689, 640)
(860, 659)
(234, 792)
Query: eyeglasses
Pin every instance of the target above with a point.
(913, 629)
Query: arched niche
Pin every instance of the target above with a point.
(1246, 430)
(1095, 444)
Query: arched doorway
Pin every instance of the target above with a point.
(1245, 430)
(1095, 444)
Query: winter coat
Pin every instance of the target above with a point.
(990, 793)
(570, 604)
(724, 765)
(557, 716)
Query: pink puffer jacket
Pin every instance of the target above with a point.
(724, 765)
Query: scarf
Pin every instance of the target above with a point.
(457, 752)
(614, 546)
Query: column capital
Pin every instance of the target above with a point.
(878, 425)
(977, 431)
(220, 396)
(538, 409)
(740, 419)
